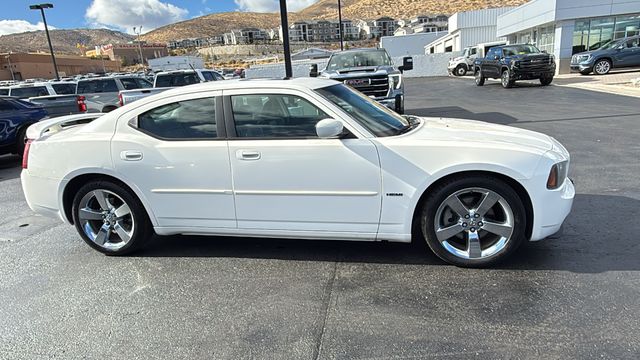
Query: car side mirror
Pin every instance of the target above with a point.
(313, 70)
(329, 128)
(496, 57)
(407, 64)
(544, 52)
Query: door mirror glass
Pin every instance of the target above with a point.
(313, 70)
(329, 128)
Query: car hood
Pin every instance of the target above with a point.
(475, 132)
(358, 72)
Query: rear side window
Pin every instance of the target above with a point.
(143, 83)
(183, 120)
(129, 84)
(4, 91)
(64, 89)
(169, 80)
(27, 92)
(97, 86)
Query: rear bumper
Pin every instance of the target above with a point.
(41, 195)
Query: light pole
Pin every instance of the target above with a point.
(41, 7)
(285, 39)
(139, 45)
(340, 26)
(13, 77)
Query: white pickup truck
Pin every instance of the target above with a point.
(167, 80)
(460, 65)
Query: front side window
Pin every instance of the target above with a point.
(208, 76)
(129, 83)
(64, 89)
(183, 120)
(275, 116)
(27, 92)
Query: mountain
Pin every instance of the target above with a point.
(216, 24)
(64, 41)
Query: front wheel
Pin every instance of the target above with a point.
(546, 81)
(461, 70)
(473, 221)
(506, 80)
(110, 218)
(602, 67)
(479, 78)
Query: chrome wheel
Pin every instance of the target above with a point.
(506, 79)
(602, 67)
(474, 223)
(106, 219)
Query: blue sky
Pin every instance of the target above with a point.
(123, 14)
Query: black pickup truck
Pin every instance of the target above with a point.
(515, 62)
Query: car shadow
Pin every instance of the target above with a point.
(462, 113)
(594, 240)
(9, 167)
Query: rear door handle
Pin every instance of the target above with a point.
(129, 155)
(248, 155)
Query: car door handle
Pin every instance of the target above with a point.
(247, 155)
(131, 155)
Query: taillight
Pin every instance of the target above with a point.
(82, 107)
(120, 100)
(25, 154)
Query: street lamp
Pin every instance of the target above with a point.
(41, 7)
(285, 39)
(139, 44)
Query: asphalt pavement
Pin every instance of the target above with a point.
(187, 297)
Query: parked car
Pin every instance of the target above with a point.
(169, 80)
(515, 62)
(370, 71)
(15, 117)
(615, 54)
(460, 65)
(101, 93)
(58, 98)
(301, 158)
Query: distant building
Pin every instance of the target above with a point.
(467, 29)
(129, 54)
(321, 31)
(384, 26)
(169, 63)
(195, 42)
(245, 36)
(21, 66)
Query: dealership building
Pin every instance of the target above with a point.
(566, 27)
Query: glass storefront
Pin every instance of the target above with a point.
(591, 34)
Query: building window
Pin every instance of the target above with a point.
(581, 36)
(595, 33)
(601, 32)
(546, 38)
(627, 26)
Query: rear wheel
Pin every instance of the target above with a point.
(602, 67)
(479, 78)
(110, 218)
(545, 81)
(473, 221)
(461, 70)
(21, 140)
(506, 80)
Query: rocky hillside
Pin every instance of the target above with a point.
(64, 41)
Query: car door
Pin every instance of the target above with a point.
(286, 178)
(490, 64)
(174, 151)
(630, 54)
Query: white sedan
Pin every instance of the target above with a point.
(302, 158)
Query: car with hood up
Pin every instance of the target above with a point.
(370, 71)
(615, 54)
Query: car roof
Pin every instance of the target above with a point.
(296, 83)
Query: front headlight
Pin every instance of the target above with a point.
(395, 81)
(558, 175)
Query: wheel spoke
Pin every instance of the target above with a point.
(103, 235)
(446, 233)
(473, 247)
(487, 202)
(101, 197)
(122, 233)
(122, 211)
(498, 229)
(457, 206)
(89, 214)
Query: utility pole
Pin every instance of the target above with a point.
(13, 77)
(139, 44)
(340, 26)
(285, 39)
(41, 7)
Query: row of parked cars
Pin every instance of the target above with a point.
(24, 104)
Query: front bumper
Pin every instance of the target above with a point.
(581, 67)
(517, 74)
(551, 209)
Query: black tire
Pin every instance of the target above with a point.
(442, 191)
(142, 231)
(21, 140)
(460, 70)
(505, 79)
(479, 78)
(546, 81)
(605, 69)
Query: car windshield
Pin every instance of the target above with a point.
(179, 79)
(369, 113)
(520, 50)
(356, 59)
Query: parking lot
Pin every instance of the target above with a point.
(572, 296)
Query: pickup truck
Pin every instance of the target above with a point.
(167, 80)
(515, 62)
(370, 71)
(101, 94)
(459, 66)
(57, 98)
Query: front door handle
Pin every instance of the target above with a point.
(129, 155)
(248, 155)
